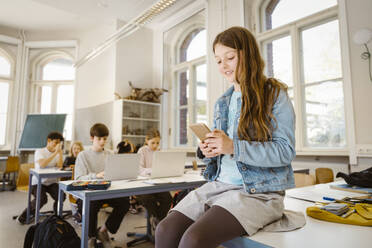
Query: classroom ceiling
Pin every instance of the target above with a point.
(42, 15)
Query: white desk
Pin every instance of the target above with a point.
(315, 234)
(39, 174)
(120, 189)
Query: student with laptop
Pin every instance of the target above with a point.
(90, 164)
(157, 204)
(50, 156)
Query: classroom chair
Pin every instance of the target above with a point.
(12, 166)
(302, 179)
(23, 176)
(143, 237)
(324, 175)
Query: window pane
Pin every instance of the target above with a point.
(183, 88)
(279, 59)
(59, 69)
(278, 13)
(183, 121)
(2, 128)
(65, 99)
(197, 47)
(201, 94)
(46, 99)
(4, 67)
(201, 82)
(321, 52)
(325, 118)
(4, 94)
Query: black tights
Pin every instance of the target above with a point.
(213, 228)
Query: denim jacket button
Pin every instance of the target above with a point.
(244, 168)
(252, 190)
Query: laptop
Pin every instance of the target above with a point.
(168, 164)
(122, 167)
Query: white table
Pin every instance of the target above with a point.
(40, 174)
(316, 233)
(120, 189)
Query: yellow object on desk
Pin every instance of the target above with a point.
(359, 214)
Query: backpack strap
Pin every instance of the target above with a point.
(29, 238)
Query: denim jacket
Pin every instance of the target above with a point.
(265, 167)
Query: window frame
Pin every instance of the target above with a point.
(175, 67)
(191, 103)
(10, 80)
(37, 83)
(294, 29)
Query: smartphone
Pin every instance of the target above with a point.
(200, 130)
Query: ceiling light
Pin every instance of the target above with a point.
(129, 28)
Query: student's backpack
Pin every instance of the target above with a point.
(362, 178)
(52, 232)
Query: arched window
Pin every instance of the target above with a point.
(193, 47)
(302, 49)
(6, 79)
(276, 13)
(53, 87)
(185, 73)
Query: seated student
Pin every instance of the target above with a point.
(69, 163)
(47, 157)
(157, 204)
(90, 164)
(76, 148)
(126, 146)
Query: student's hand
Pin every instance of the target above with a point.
(58, 148)
(100, 175)
(207, 151)
(219, 143)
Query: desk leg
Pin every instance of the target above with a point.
(60, 201)
(85, 224)
(37, 210)
(29, 199)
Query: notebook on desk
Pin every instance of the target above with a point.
(122, 167)
(347, 187)
(168, 164)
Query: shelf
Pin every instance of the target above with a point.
(134, 136)
(140, 119)
(142, 102)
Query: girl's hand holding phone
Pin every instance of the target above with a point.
(217, 143)
(207, 152)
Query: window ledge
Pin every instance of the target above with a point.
(323, 153)
(5, 148)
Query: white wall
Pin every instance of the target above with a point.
(359, 15)
(134, 61)
(95, 80)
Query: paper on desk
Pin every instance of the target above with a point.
(317, 192)
(157, 181)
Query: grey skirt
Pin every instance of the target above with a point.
(253, 211)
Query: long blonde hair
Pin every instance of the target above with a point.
(259, 93)
(78, 143)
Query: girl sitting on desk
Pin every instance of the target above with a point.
(248, 154)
